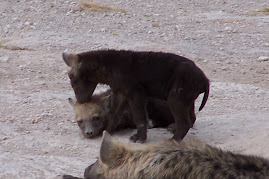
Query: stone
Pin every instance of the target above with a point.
(263, 58)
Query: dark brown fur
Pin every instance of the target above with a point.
(138, 76)
(173, 160)
(93, 117)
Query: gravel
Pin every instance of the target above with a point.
(228, 40)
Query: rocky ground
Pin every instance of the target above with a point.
(228, 40)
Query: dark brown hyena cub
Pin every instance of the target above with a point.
(93, 117)
(173, 160)
(138, 76)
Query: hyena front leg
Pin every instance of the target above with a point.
(172, 128)
(137, 104)
(118, 102)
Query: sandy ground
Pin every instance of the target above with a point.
(228, 39)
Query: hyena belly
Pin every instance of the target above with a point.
(159, 113)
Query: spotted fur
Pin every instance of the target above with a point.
(173, 160)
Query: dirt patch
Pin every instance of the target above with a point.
(99, 8)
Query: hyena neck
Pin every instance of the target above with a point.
(98, 65)
(96, 73)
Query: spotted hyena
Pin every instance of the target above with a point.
(138, 76)
(173, 160)
(93, 117)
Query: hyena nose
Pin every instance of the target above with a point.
(89, 132)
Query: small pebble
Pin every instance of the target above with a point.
(228, 28)
(263, 58)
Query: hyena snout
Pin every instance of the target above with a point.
(91, 129)
(89, 133)
(88, 129)
(87, 171)
(93, 172)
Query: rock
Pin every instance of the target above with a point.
(103, 29)
(228, 29)
(263, 58)
(225, 68)
(28, 23)
(5, 138)
(34, 121)
(21, 67)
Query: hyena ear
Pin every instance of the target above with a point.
(106, 103)
(109, 150)
(70, 59)
(71, 102)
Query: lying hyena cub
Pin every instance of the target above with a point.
(172, 160)
(94, 116)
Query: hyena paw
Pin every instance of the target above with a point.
(138, 139)
(134, 138)
(172, 128)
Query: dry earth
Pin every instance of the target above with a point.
(228, 39)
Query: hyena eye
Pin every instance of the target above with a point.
(71, 75)
(95, 118)
(79, 122)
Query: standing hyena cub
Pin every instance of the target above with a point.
(172, 160)
(93, 117)
(139, 76)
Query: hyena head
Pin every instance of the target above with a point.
(112, 156)
(80, 82)
(91, 116)
(94, 172)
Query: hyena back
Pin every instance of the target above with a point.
(172, 160)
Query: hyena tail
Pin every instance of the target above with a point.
(206, 94)
(70, 177)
